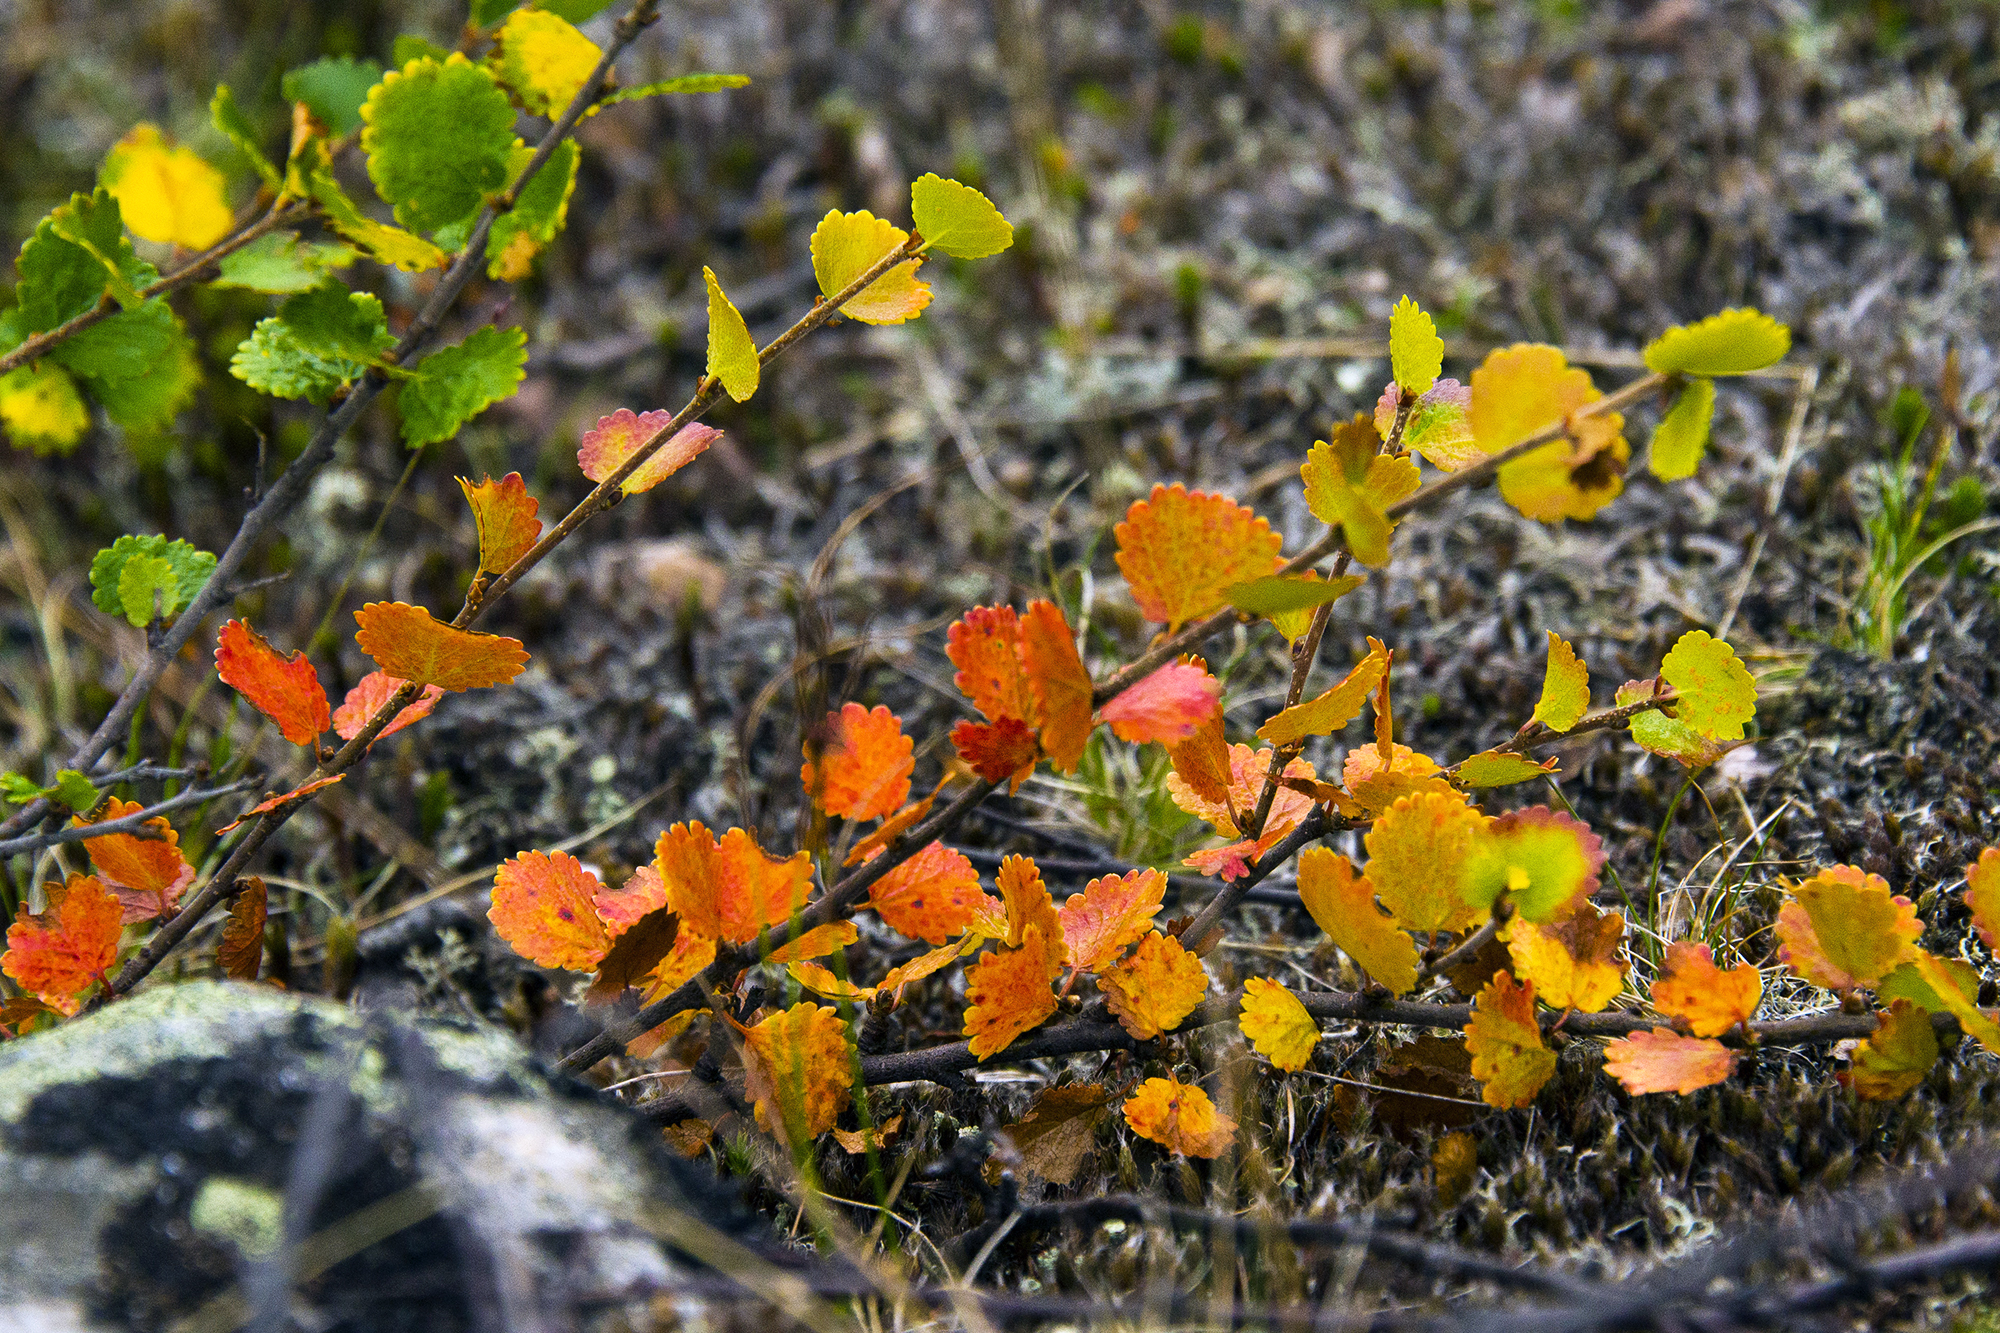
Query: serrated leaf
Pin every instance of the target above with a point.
(1167, 706)
(542, 905)
(1416, 353)
(454, 384)
(1349, 484)
(1180, 1117)
(543, 60)
(166, 193)
(1665, 736)
(228, 118)
(367, 698)
(846, 245)
(148, 875)
(798, 1072)
(858, 763)
(1276, 1025)
(191, 569)
(1417, 853)
(149, 399)
(1734, 342)
(284, 689)
(438, 137)
(1509, 1058)
(957, 220)
(1110, 913)
(1575, 963)
(61, 953)
(521, 232)
(74, 790)
(1439, 425)
(1565, 687)
(1007, 992)
(386, 244)
(282, 264)
(1896, 1055)
(131, 343)
(732, 356)
(1710, 1000)
(1982, 895)
(240, 951)
(317, 342)
(1153, 988)
(1003, 751)
(409, 643)
(333, 89)
(1058, 682)
(76, 254)
(729, 888)
(146, 579)
(1180, 550)
(1843, 928)
(1717, 695)
(41, 410)
(1682, 436)
(685, 83)
(933, 896)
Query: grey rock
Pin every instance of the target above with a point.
(210, 1154)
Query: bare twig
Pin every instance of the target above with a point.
(134, 823)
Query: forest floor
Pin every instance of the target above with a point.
(1219, 203)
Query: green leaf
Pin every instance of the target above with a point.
(74, 790)
(144, 585)
(410, 47)
(576, 11)
(281, 263)
(129, 344)
(455, 384)
(958, 220)
(438, 137)
(384, 243)
(1904, 982)
(536, 216)
(93, 224)
(486, 13)
(188, 568)
(732, 356)
(1416, 353)
(333, 89)
(1682, 436)
(686, 83)
(318, 341)
(18, 789)
(150, 399)
(1718, 696)
(1279, 594)
(1734, 342)
(60, 277)
(236, 127)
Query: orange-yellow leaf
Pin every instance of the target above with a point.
(821, 981)
(863, 766)
(1028, 903)
(1153, 989)
(1565, 687)
(1570, 478)
(1418, 850)
(617, 437)
(504, 513)
(1375, 788)
(846, 245)
(984, 645)
(1982, 895)
(57, 955)
(284, 689)
(1334, 709)
(692, 952)
(240, 952)
(366, 699)
(1167, 706)
(891, 829)
(1276, 1025)
(1247, 771)
(1664, 1061)
(1007, 992)
(932, 896)
(858, 1141)
(1844, 929)
(1181, 550)
(815, 943)
(409, 643)
(1058, 683)
(729, 889)
(147, 874)
(543, 905)
(1349, 483)
(270, 803)
(1003, 751)
(1343, 905)
(1544, 860)
(931, 963)
(1201, 764)
(1505, 1042)
(1111, 912)
(642, 894)
(1574, 963)
(1896, 1055)
(798, 1072)
(1520, 390)
(1711, 1001)
(1179, 1117)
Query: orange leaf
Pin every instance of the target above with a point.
(241, 950)
(1334, 709)
(1343, 905)
(1179, 1117)
(284, 689)
(1007, 992)
(1375, 789)
(410, 643)
(1003, 751)
(1167, 706)
(504, 513)
(1982, 895)
(1247, 771)
(621, 908)
(1896, 1055)
(1711, 1001)
(543, 905)
(1181, 550)
(1111, 912)
(1154, 988)
(984, 646)
(1508, 1057)
(1276, 1025)
(270, 803)
(366, 699)
(691, 953)
(815, 943)
(929, 964)
(1418, 850)
(1843, 929)
(1201, 762)
(864, 763)
(892, 828)
(147, 874)
(1664, 1061)
(1574, 963)
(731, 888)
(57, 955)
(1029, 903)
(796, 1065)
(932, 896)
(619, 436)
(1058, 682)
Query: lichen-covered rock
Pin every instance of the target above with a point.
(229, 1149)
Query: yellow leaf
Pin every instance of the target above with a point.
(1734, 342)
(957, 220)
(1896, 1055)
(166, 193)
(1520, 390)
(1155, 988)
(732, 357)
(1343, 905)
(1333, 710)
(1349, 484)
(1505, 1042)
(1417, 854)
(1717, 695)
(796, 1064)
(1574, 963)
(41, 409)
(1416, 353)
(1277, 1025)
(1565, 687)
(846, 245)
(1843, 929)
(543, 60)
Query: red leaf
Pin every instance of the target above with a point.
(984, 646)
(366, 699)
(284, 689)
(504, 513)
(618, 436)
(998, 751)
(1167, 706)
(272, 803)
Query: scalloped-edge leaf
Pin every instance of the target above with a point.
(1734, 342)
(1416, 353)
(438, 136)
(956, 219)
(455, 384)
